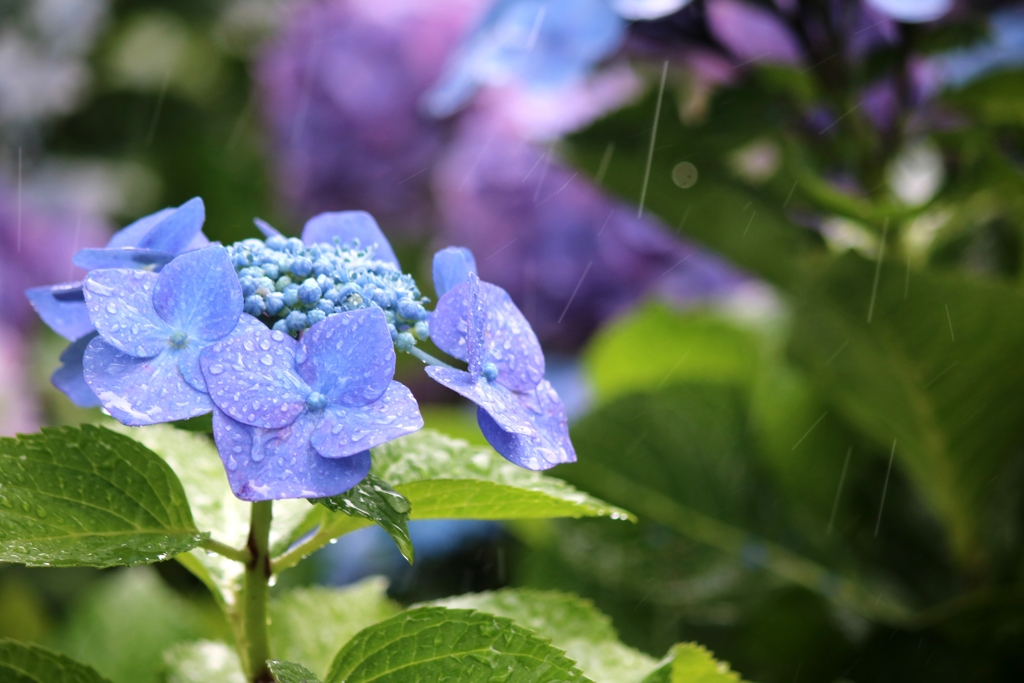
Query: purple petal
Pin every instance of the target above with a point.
(349, 357)
(452, 266)
(132, 234)
(344, 431)
(125, 257)
(498, 401)
(550, 445)
(141, 391)
(270, 464)
(266, 228)
(188, 357)
(347, 226)
(70, 376)
(69, 319)
(913, 11)
(121, 307)
(178, 230)
(199, 293)
(647, 9)
(752, 33)
(252, 378)
(508, 339)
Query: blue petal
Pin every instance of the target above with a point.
(132, 234)
(178, 230)
(69, 319)
(121, 307)
(141, 391)
(252, 378)
(508, 340)
(270, 464)
(266, 228)
(70, 376)
(347, 226)
(199, 293)
(343, 431)
(549, 446)
(647, 9)
(188, 357)
(913, 11)
(125, 257)
(452, 266)
(500, 402)
(349, 357)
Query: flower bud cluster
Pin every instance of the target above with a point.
(292, 286)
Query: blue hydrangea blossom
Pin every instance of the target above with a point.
(144, 364)
(296, 418)
(148, 243)
(519, 412)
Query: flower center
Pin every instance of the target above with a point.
(178, 339)
(490, 372)
(316, 401)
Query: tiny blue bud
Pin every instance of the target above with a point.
(248, 285)
(239, 259)
(291, 294)
(421, 330)
(266, 284)
(404, 342)
(385, 298)
(280, 326)
(409, 309)
(297, 321)
(309, 292)
(255, 305)
(302, 266)
(315, 316)
(295, 246)
(277, 242)
(490, 372)
(274, 302)
(325, 305)
(271, 270)
(316, 401)
(178, 339)
(393, 331)
(282, 283)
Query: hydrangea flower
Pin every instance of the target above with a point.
(295, 419)
(148, 243)
(539, 43)
(144, 364)
(519, 412)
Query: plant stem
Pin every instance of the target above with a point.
(427, 358)
(255, 648)
(236, 554)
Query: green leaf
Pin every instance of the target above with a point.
(203, 661)
(308, 625)
(89, 497)
(435, 644)
(289, 672)
(685, 456)
(693, 663)
(444, 478)
(123, 625)
(656, 345)
(571, 623)
(198, 465)
(912, 375)
(24, 663)
(375, 500)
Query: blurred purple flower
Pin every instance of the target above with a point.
(913, 11)
(571, 256)
(340, 89)
(36, 247)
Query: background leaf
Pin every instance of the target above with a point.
(308, 625)
(23, 663)
(571, 623)
(434, 643)
(89, 497)
(693, 663)
(215, 508)
(202, 661)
